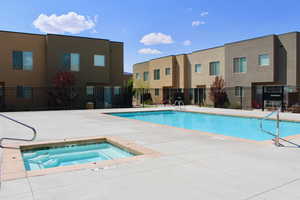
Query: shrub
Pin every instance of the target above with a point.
(217, 93)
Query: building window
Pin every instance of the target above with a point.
(198, 68)
(239, 91)
(214, 68)
(264, 60)
(23, 60)
(99, 60)
(156, 92)
(239, 65)
(24, 92)
(137, 76)
(90, 90)
(117, 91)
(72, 62)
(156, 74)
(146, 76)
(167, 71)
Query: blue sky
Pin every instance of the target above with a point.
(169, 23)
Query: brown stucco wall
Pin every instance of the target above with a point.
(250, 49)
(57, 45)
(48, 51)
(116, 63)
(12, 78)
(286, 57)
(22, 42)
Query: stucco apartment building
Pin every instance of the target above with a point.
(29, 63)
(245, 66)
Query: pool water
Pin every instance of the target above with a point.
(241, 127)
(44, 158)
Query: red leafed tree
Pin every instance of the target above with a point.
(63, 93)
(64, 80)
(217, 92)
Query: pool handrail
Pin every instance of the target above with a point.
(17, 139)
(276, 136)
(179, 103)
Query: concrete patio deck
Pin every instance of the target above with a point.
(193, 165)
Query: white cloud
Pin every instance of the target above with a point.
(94, 31)
(187, 43)
(203, 14)
(198, 23)
(149, 51)
(66, 23)
(156, 38)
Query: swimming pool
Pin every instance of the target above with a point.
(241, 127)
(71, 154)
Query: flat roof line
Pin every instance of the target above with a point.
(2, 31)
(81, 37)
(250, 39)
(49, 34)
(207, 49)
(141, 62)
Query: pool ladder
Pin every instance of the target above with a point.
(17, 139)
(276, 136)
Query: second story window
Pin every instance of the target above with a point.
(214, 68)
(167, 71)
(264, 60)
(239, 65)
(198, 68)
(146, 76)
(24, 92)
(156, 74)
(72, 62)
(23, 60)
(99, 60)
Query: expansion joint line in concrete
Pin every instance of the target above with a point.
(272, 189)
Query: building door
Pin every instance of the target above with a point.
(167, 95)
(99, 95)
(107, 97)
(2, 96)
(199, 95)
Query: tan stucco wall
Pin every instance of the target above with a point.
(165, 80)
(284, 67)
(161, 64)
(204, 58)
(141, 68)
